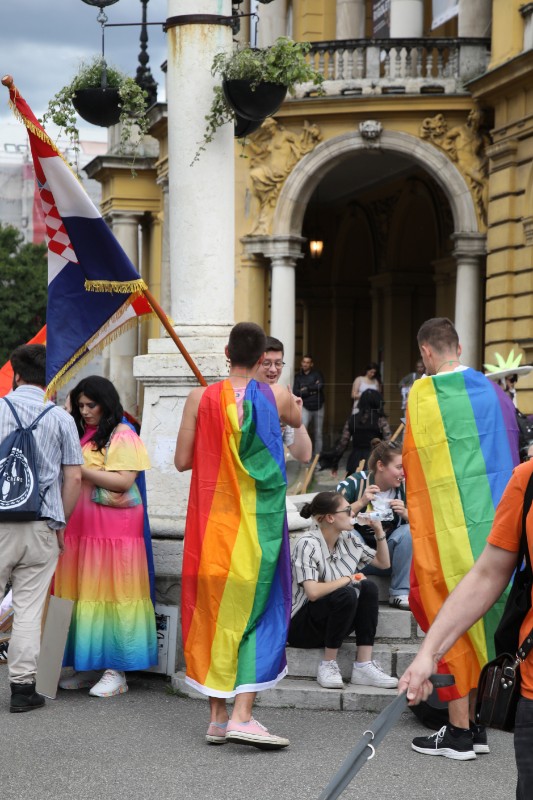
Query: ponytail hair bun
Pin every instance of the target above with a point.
(305, 511)
(323, 503)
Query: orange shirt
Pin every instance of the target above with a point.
(506, 533)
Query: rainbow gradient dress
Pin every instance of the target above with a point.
(104, 570)
(460, 447)
(236, 582)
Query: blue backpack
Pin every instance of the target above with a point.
(20, 497)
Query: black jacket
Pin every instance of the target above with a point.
(310, 388)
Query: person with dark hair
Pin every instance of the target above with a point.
(297, 440)
(105, 567)
(460, 446)
(246, 343)
(29, 550)
(330, 598)
(236, 564)
(309, 385)
(382, 489)
(371, 379)
(368, 423)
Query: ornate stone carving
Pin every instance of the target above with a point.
(370, 131)
(466, 146)
(274, 151)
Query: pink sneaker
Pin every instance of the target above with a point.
(216, 733)
(254, 734)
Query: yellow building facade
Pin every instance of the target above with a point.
(413, 169)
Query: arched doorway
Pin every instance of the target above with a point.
(395, 181)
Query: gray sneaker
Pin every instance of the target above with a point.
(329, 675)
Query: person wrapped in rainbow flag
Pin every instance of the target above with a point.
(236, 578)
(460, 447)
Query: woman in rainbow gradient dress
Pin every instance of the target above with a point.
(104, 568)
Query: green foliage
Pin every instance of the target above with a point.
(23, 288)
(284, 63)
(133, 102)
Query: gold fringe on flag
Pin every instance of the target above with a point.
(88, 351)
(120, 287)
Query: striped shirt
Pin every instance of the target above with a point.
(313, 561)
(57, 444)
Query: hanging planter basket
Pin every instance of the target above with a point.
(253, 104)
(244, 127)
(98, 106)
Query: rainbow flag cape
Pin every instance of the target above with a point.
(460, 447)
(236, 581)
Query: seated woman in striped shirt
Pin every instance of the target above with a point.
(330, 598)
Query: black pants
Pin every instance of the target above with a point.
(326, 622)
(523, 748)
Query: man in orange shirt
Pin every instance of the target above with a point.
(471, 598)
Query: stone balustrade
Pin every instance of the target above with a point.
(396, 66)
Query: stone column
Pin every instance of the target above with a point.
(272, 22)
(350, 19)
(474, 21)
(200, 227)
(122, 351)
(406, 19)
(475, 17)
(283, 252)
(469, 249)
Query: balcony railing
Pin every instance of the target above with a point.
(397, 66)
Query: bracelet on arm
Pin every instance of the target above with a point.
(380, 538)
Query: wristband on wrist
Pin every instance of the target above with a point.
(380, 538)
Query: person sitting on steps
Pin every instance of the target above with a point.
(330, 598)
(382, 489)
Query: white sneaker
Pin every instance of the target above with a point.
(371, 674)
(110, 684)
(79, 680)
(329, 675)
(400, 601)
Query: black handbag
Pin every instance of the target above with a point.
(499, 682)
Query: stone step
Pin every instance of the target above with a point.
(394, 623)
(306, 693)
(303, 663)
(394, 659)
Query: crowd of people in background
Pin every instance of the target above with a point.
(92, 532)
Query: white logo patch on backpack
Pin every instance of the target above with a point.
(20, 496)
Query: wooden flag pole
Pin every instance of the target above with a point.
(174, 336)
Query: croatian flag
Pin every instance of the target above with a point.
(93, 288)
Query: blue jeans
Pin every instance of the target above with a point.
(317, 418)
(401, 551)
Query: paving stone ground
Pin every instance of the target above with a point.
(149, 745)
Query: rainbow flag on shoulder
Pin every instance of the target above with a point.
(236, 581)
(460, 447)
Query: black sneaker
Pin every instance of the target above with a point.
(480, 738)
(444, 744)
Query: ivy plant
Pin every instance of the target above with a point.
(284, 63)
(132, 104)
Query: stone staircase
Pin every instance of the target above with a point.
(397, 641)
